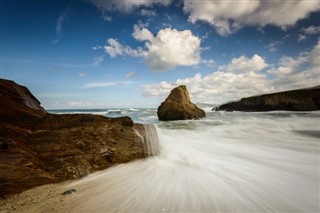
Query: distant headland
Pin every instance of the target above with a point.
(306, 99)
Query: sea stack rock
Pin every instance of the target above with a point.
(178, 106)
(37, 147)
(307, 99)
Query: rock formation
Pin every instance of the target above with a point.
(295, 100)
(178, 106)
(37, 147)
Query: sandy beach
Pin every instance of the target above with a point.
(46, 198)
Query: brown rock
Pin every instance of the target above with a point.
(17, 103)
(307, 99)
(38, 148)
(178, 106)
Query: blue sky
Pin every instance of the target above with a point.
(131, 53)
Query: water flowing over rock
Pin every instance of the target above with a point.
(178, 106)
(152, 140)
(307, 99)
(37, 147)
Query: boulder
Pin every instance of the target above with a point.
(307, 99)
(178, 106)
(37, 147)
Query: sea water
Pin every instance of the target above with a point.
(226, 162)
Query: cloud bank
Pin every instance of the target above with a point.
(229, 16)
(225, 16)
(246, 76)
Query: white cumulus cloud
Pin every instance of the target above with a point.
(315, 55)
(169, 48)
(218, 13)
(292, 74)
(229, 16)
(141, 33)
(245, 65)
(297, 72)
(289, 65)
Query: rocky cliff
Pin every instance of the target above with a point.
(38, 148)
(178, 106)
(295, 100)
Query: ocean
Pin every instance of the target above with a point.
(226, 162)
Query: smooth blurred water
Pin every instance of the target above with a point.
(227, 162)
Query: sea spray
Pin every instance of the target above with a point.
(235, 162)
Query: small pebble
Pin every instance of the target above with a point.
(68, 192)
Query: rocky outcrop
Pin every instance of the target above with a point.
(18, 104)
(178, 106)
(295, 100)
(38, 148)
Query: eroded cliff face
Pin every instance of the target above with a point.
(178, 106)
(295, 100)
(38, 148)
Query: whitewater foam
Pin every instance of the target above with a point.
(228, 162)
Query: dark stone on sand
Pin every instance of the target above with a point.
(178, 106)
(307, 99)
(68, 192)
